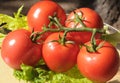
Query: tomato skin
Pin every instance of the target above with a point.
(98, 66)
(59, 58)
(90, 18)
(38, 14)
(17, 48)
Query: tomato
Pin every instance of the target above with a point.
(59, 58)
(90, 18)
(17, 48)
(38, 14)
(98, 66)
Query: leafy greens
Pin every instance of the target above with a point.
(41, 74)
(18, 21)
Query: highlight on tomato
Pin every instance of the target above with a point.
(17, 48)
(38, 15)
(58, 57)
(84, 17)
(99, 66)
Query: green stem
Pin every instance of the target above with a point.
(55, 21)
(93, 42)
(58, 22)
(64, 38)
(36, 35)
(71, 30)
(61, 28)
(79, 20)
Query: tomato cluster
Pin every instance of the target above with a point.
(62, 51)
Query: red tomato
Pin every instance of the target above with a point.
(59, 58)
(17, 48)
(90, 18)
(38, 14)
(98, 66)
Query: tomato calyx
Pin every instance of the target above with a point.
(94, 47)
(63, 40)
(34, 37)
(54, 21)
(79, 18)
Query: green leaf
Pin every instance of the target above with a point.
(114, 38)
(27, 74)
(18, 21)
(39, 74)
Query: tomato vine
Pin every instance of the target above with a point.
(61, 28)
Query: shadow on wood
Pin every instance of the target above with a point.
(115, 81)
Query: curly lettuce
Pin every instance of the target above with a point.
(43, 75)
(18, 21)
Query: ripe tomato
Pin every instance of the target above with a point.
(98, 66)
(17, 48)
(90, 18)
(59, 58)
(38, 14)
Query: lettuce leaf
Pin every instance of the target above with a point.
(18, 21)
(113, 38)
(44, 75)
(112, 34)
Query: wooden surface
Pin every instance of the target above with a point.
(6, 74)
(116, 78)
